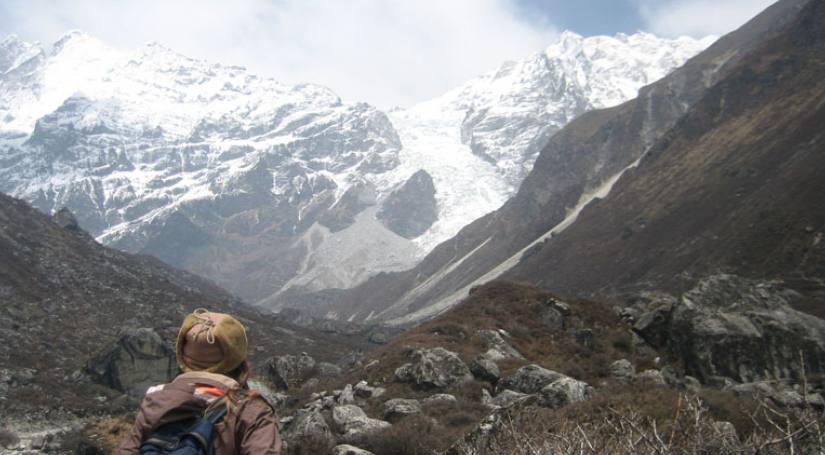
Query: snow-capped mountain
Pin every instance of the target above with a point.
(481, 139)
(264, 186)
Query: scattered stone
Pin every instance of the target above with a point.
(398, 408)
(530, 379)
(434, 368)
(139, 360)
(622, 370)
(563, 392)
(485, 370)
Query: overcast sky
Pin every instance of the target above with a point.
(386, 52)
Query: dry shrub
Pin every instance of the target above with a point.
(414, 435)
(309, 445)
(690, 429)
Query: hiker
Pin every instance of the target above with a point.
(211, 352)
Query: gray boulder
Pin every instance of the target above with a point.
(137, 361)
(439, 399)
(563, 392)
(309, 429)
(346, 449)
(398, 408)
(485, 370)
(728, 326)
(353, 423)
(434, 368)
(622, 370)
(289, 371)
(530, 379)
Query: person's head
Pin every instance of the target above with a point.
(213, 342)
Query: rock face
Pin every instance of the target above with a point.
(622, 370)
(410, 210)
(434, 368)
(530, 379)
(485, 370)
(346, 449)
(737, 328)
(139, 360)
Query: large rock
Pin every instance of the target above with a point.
(622, 370)
(288, 371)
(139, 360)
(398, 408)
(728, 326)
(353, 423)
(434, 368)
(346, 449)
(563, 392)
(530, 379)
(309, 429)
(485, 370)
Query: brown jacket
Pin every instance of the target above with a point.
(250, 428)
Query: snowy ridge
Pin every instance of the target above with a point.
(480, 140)
(220, 171)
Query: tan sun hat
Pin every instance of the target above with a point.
(211, 342)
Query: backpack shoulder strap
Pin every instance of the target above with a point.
(216, 411)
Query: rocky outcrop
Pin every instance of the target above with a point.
(434, 368)
(732, 327)
(139, 360)
(485, 370)
(410, 210)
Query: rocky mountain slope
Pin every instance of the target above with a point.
(579, 164)
(734, 186)
(265, 187)
(67, 301)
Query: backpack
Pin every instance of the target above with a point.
(186, 438)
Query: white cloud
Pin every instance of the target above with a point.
(698, 18)
(382, 51)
